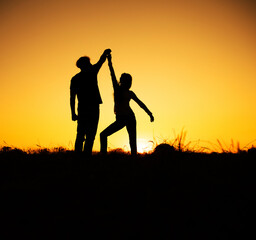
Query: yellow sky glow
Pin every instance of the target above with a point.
(192, 62)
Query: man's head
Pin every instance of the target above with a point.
(83, 62)
(126, 80)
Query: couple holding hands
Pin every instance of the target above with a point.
(84, 86)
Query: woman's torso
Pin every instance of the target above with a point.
(122, 102)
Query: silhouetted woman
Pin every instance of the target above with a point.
(124, 114)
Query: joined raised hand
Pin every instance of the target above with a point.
(109, 57)
(107, 51)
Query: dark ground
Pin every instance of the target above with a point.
(166, 195)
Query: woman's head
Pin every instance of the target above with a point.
(126, 81)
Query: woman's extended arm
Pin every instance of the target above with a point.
(112, 72)
(143, 106)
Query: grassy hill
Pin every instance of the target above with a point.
(167, 194)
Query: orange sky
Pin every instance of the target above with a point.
(192, 62)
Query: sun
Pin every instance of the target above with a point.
(144, 145)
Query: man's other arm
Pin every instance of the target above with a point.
(73, 102)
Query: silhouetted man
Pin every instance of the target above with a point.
(84, 85)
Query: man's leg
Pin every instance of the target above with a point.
(91, 130)
(79, 136)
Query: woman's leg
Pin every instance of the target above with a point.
(114, 127)
(131, 129)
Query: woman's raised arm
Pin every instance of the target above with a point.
(112, 72)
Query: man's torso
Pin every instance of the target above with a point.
(85, 85)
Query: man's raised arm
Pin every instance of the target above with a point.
(102, 58)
